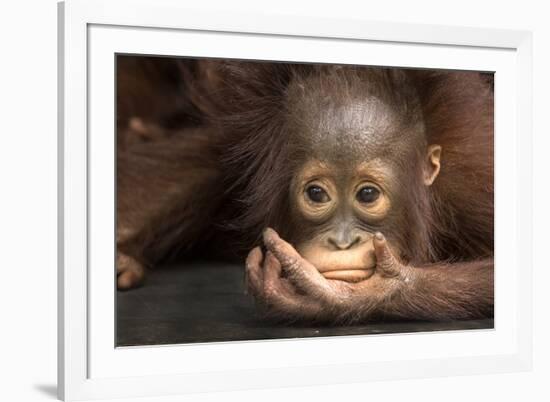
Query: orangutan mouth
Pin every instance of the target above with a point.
(353, 265)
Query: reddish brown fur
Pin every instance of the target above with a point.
(458, 111)
(230, 175)
(458, 114)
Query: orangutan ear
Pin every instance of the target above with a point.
(432, 165)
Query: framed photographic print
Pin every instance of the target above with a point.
(259, 201)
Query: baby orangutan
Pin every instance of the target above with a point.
(379, 180)
(361, 201)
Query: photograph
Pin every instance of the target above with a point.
(265, 199)
(275, 201)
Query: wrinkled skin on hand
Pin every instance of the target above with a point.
(288, 287)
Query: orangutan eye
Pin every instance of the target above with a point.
(317, 194)
(368, 194)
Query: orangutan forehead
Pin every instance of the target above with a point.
(354, 116)
(361, 122)
(356, 129)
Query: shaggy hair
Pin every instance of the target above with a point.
(251, 104)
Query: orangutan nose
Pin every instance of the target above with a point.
(344, 242)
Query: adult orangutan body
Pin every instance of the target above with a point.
(379, 180)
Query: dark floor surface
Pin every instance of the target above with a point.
(205, 302)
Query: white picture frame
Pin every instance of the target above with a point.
(92, 32)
